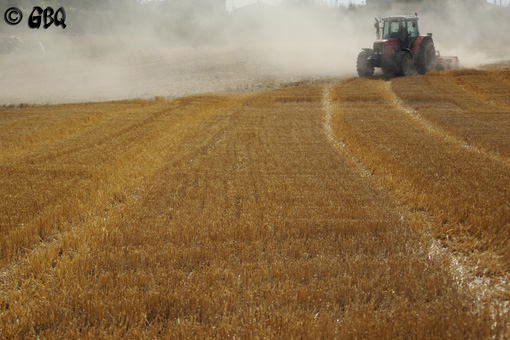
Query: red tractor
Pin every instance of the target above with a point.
(401, 50)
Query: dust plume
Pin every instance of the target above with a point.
(129, 49)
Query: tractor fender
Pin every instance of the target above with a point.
(407, 50)
(400, 52)
(419, 40)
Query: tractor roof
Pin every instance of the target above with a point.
(401, 18)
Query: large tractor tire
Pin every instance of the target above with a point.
(405, 64)
(388, 72)
(426, 58)
(363, 66)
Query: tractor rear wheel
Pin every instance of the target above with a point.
(363, 65)
(426, 59)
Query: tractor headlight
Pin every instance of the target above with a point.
(378, 48)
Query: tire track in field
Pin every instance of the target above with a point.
(54, 193)
(434, 129)
(116, 202)
(328, 105)
(43, 126)
(486, 87)
(123, 128)
(488, 287)
(397, 145)
(468, 105)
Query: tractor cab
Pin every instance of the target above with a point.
(403, 28)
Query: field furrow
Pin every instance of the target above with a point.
(248, 223)
(465, 194)
(30, 128)
(472, 105)
(48, 187)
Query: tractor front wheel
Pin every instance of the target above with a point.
(363, 65)
(388, 72)
(405, 67)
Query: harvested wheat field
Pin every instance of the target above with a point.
(355, 208)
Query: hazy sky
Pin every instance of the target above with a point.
(233, 4)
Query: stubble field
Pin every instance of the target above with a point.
(355, 208)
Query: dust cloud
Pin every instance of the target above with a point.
(117, 49)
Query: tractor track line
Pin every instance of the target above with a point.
(340, 146)
(462, 270)
(46, 137)
(133, 193)
(437, 131)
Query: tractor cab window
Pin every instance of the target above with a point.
(412, 29)
(394, 29)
